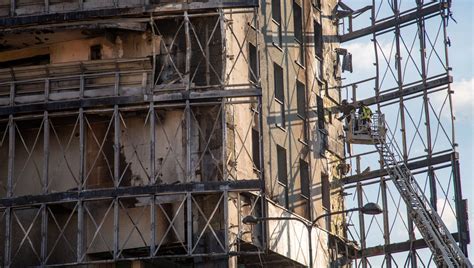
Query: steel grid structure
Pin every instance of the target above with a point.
(89, 111)
(412, 87)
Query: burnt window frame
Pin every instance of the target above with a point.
(279, 91)
(277, 23)
(318, 48)
(282, 172)
(299, 31)
(305, 180)
(256, 149)
(320, 112)
(301, 111)
(325, 192)
(253, 63)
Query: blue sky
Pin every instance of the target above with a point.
(461, 56)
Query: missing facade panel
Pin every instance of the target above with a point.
(29, 61)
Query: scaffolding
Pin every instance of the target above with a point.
(412, 88)
(161, 156)
(86, 118)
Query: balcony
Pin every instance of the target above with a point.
(74, 81)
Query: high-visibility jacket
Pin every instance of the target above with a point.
(366, 113)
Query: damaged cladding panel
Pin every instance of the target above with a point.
(135, 130)
(25, 12)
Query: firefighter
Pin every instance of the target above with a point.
(365, 115)
(346, 109)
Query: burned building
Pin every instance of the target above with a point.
(143, 133)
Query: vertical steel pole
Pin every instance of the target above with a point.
(152, 226)
(44, 234)
(224, 47)
(263, 198)
(46, 136)
(8, 216)
(45, 182)
(309, 228)
(116, 168)
(226, 220)
(11, 155)
(80, 205)
(188, 107)
(360, 203)
(8, 237)
(458, 199)
(116, 134)
(422, 40)
(152, 141)
(80, 230)
(189, 223)
(462, 226)
(383, 183)
(116, 229)
(402, 119)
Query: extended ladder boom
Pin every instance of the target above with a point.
(446, 252)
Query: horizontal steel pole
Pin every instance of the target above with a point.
(394, 248)
(128, 100)
(407, 91)
(164, 189)
(411, 165)
(387, 24)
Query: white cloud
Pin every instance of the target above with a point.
(448, 217)
(463, 98)
(363, 57)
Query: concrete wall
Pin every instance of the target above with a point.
(291, 137)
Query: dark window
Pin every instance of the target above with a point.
(282, 171)
(318, 39)
(279, 94)
(96, 52)
(298, 24)
(297, 21)
(320, 106)
(276, 17)
(301, 99)
(301, 107)
(256, 148)
(325, 192)
(304, 177)
(276, 10)
(318, 49)
(253, 63)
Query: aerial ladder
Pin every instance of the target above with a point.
(446, 252)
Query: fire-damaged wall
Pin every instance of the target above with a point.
(91, 59)
(194, 142)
